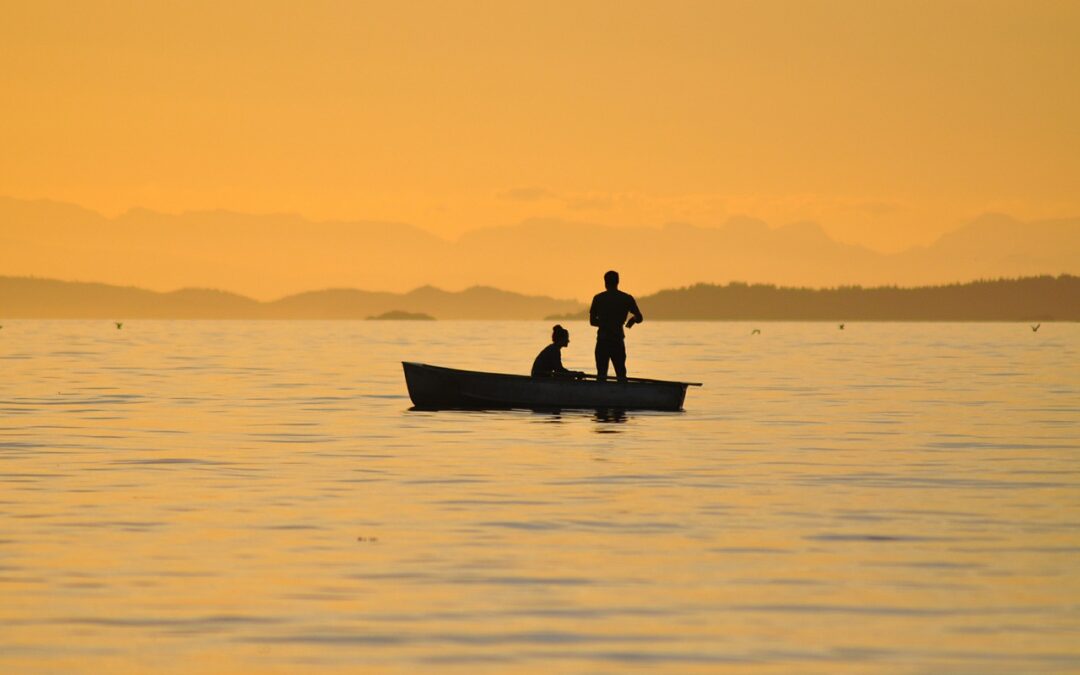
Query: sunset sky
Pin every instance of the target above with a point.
(888, 123)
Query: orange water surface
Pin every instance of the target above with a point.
(257, 497)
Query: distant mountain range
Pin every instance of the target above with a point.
(270, 256)
(25, 297)
(1042, 298)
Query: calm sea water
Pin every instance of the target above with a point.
(257, 497)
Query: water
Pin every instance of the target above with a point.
(256, 497)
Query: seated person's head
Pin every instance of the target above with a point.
(611, 280)
(560, 336)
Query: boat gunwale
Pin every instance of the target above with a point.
(515, 376)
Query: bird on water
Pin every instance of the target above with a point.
(1035, 328)
(119, 325)
(756, 331)
(841, 326)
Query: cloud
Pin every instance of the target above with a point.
(527, 194)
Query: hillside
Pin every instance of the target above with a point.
(1043, 298)
(27, 297)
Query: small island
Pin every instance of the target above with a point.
(398, 315)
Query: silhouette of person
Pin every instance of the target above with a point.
(548, 362)
(608, 312)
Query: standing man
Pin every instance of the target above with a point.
(608, 312)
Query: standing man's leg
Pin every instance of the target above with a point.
(618, 359)
(602, 357)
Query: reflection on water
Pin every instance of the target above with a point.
(258, 497)
(610, 416)
(600, 416)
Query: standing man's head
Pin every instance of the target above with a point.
(560, 336)
(611, 280)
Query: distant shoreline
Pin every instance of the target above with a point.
(398, 315)
(1028, 299)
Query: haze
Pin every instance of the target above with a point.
(888, 124)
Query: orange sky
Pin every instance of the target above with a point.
(887, 122)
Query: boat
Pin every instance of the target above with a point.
(436, 387)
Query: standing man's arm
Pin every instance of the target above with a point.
(635, 312)
(594, 318)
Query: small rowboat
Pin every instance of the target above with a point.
(435, 387)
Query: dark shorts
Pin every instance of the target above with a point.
(614, 351)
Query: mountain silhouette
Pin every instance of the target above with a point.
(25, 297)
(1042, 298)
(270, 256)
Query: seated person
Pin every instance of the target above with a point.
(548, 362)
